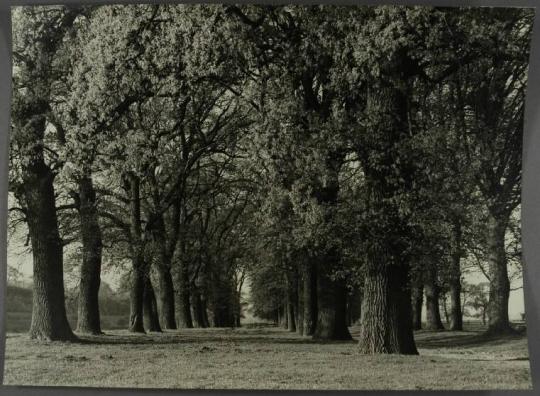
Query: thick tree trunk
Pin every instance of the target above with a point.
(331, 305)
(166, 297)
(444, 303)
(198, 309)
(223, 316)
(417, 301)
(182, 292)
(292, 300)
(433, 313)
(151, 315)
(291, 322)
(354, 306)
(455, 314)
(183, 308)
(136, 297)
(454, 284)
(88, 320)
(300, 307)
(499, 284)
(222, 299)
(139, 270)
(310, 298)
(49, 319)
(162, 265)
(331, 293)
(204, 311)
(386, 324)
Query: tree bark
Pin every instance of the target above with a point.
(292, 300)
(183, 308)
(166, 297)
(285, 315)
(151, 315)
(88, 318)
(417, 301)
(139, 270)
(49, 319)
(291, 322)
(386, 324)
(182, 292)
(354, 306)
(454, 284)
(198, 308)
(300, 306)
(162, 265)
(433, 313)
(136, 297)
(310, 298)
(204, 311)
(499, 284)
(331, 305)
(455, 314)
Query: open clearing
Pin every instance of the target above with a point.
(266, 358)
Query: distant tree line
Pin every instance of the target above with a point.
(349, 162)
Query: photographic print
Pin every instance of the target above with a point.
(228, 196)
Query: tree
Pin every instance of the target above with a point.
(493, 107)
(38, 34)
(478, 300)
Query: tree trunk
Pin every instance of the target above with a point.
(331, 305)
(291, 323)
(354, 306)
(433, 313)
(444, 303)
(417, 301)
(166, 297)
(183, 308)
(456, 314)
(198, 308)
(88, 320)
(151, 316)
(310, 298)
(292, 300)
(386, 324)
(162, 257)
(300, 306)
(139, 270)
(136, 297)
(204, 310)
(49, 319)
(499, 284)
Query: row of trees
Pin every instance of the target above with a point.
(329, 154)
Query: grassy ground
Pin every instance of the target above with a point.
(266, 358)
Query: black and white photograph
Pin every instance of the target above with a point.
(281, 197)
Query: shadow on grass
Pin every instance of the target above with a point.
(447, 339)
(239, 337)
(277, 336)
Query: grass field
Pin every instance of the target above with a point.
(266, 358)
